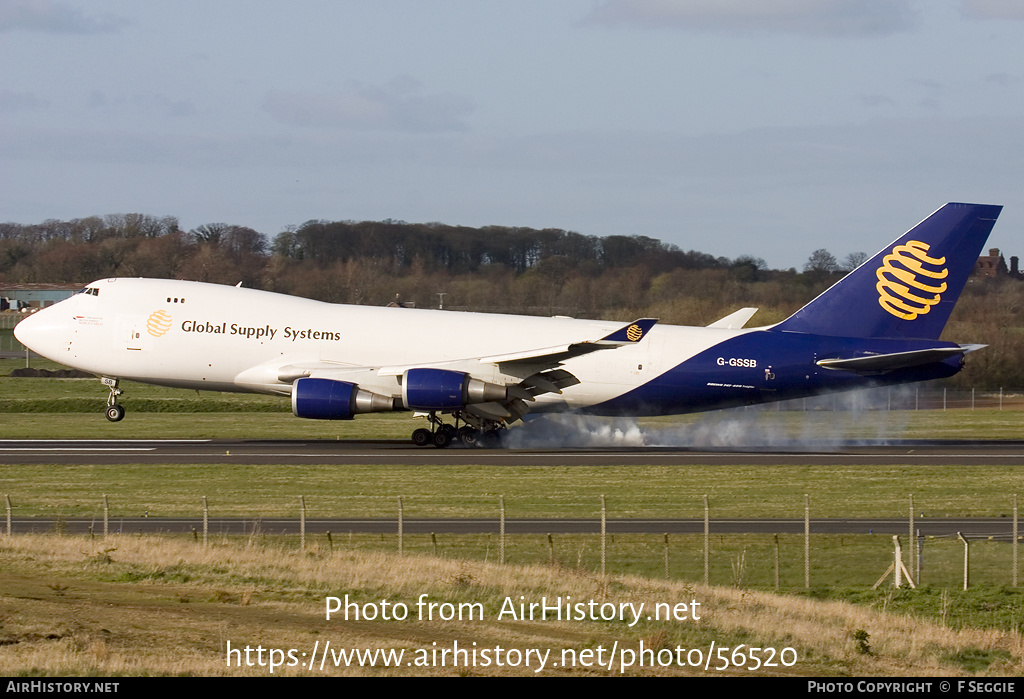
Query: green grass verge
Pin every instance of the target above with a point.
(529, 491)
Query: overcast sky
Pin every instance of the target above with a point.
(733, 127)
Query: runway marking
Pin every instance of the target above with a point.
(57, 450)
(104, 441)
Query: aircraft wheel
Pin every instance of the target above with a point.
(115, 412)
(422, 437)
(469, 436)
(491, 440)
(442, 438)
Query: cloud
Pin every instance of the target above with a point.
(53, 17)
(877, 100)
(157, 103)
(808, 17)
(11, 101)
(398, 106)
(993, 9)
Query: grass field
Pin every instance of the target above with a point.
(152, 605)
(529, 491)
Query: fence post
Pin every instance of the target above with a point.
(666, 554)
(106, 516)
(501, 531)
(604, 531)
(1015, 539)
(7, 504)
(778, 563)
(910, 536)
(807, 541)
(897, 566)
(302, 523)
(707, 543)
(967, 559)
(401, 548)
(206, 520)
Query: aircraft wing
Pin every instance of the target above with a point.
(537, 370)
(881, 363)
(629, 334)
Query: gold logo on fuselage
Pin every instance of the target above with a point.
(900, 280)
(158, 323)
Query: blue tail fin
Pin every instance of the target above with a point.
(908, 289)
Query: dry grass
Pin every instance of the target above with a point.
(163, 606)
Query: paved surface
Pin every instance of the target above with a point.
(345, 452)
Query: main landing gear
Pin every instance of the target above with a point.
(115, 411)
(442, 435)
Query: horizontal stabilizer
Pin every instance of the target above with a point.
(881, 363)
(629, 334)
(734, 320)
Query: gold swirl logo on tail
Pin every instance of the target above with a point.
(634, 333)
(158, 323)
(902, 287)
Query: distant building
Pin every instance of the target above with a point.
(20, 296)
(993, 265)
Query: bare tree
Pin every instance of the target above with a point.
(821, 261)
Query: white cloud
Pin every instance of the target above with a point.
(808, 17)
(398, 106)
(53, 17)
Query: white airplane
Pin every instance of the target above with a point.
(879, 325)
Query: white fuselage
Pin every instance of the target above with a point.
(222, 338)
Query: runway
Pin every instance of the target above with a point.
(349, 452)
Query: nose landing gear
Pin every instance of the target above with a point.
(115, 411)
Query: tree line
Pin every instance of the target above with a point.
(491, 269)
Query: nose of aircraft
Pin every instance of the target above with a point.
(46, 332)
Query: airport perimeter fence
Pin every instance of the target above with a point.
(780, 554)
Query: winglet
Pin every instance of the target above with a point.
(630, 334)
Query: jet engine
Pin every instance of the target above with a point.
(442, 389)
(327, 399)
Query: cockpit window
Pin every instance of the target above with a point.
(90, 290)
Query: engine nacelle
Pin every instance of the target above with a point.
(327, 399)
(442, 389)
